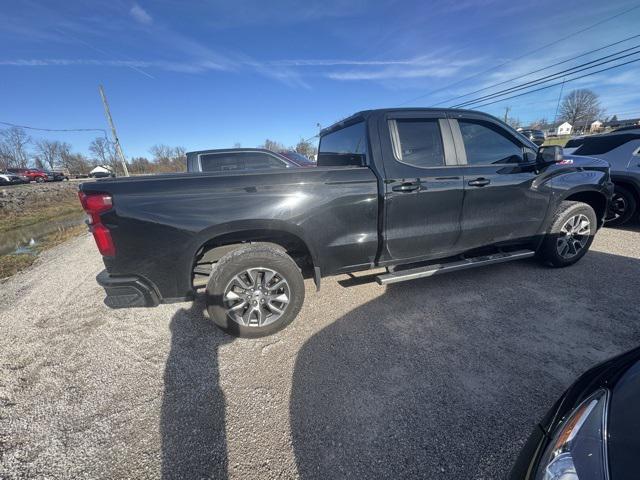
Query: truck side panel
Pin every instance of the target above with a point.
(159, 223)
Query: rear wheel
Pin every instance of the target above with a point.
(570, 236)
(622, 208)
(255, 291)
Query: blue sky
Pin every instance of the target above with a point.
(209, 74)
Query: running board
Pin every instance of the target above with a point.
(453, 266)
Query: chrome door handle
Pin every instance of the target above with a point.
(406, 187)
(479, 182)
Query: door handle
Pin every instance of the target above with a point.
(407, 187)
(479, 182)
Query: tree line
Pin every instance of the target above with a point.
(19, 150)
(581, 106)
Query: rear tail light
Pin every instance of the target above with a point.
(95, 204)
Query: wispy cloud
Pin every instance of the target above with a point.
(195, 67)
(140, 15)
(390, 73)
(418, 67)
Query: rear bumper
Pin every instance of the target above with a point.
(127, 291)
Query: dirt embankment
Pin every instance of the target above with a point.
(33, 218)
(29, 204)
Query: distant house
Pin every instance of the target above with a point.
(565, 129)
(596, 126)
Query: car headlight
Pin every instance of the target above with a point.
(578, 448)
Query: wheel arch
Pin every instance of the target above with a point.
(631, 185)
(594, 198)
(209, 246)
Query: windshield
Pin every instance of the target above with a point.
(298, 158)
(599, 144)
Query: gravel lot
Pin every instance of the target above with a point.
(435, 378)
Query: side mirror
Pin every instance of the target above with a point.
(549, 155)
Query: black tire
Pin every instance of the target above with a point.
(255, 255)
(554, 242)
(623, 207)
(39, 179)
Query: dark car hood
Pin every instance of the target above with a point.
(624, 426)
(621, 375)
(589, 163)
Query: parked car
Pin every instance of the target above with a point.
(233, 159)
(32, 174)
(299, 159)
(621, 149)
(7, 178)
(592, 430)
(572, 145)
(56, 176)
(419, 191)
(536, 136)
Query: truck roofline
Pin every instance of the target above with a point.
(364, 115)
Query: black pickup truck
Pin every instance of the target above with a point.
(418, 191)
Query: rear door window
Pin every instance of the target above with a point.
(418, 142)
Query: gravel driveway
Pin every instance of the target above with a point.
(435, 378)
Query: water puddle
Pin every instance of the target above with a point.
(25, 239)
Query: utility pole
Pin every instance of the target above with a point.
(555, 117)
(506, 114)
(107, 113)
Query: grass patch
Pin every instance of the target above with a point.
(556, 141)
(12, 264)
(40, 212)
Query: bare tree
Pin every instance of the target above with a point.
(273, 146)
(37, 161)
(65, 155)
(103, 152)
(140, 165)
(48, 153)
(514, 122)
(169, 159)
(237, 145)
(580, 105)
(5, 157)
(77, 163)
(540, 124)
(306, 148)
(13, 150)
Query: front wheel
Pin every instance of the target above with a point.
(570, 236)
(255, 291)
(39, 179)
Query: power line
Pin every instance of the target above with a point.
(27, 127)
(526, 54)
(553, 76)
(558, 83)
(538, 70)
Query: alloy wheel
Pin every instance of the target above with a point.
(257, 297)
(618, 207)
(573, 236)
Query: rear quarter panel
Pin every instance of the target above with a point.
(159, 223)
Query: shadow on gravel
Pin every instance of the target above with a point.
(192, 420)
(445, 377)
